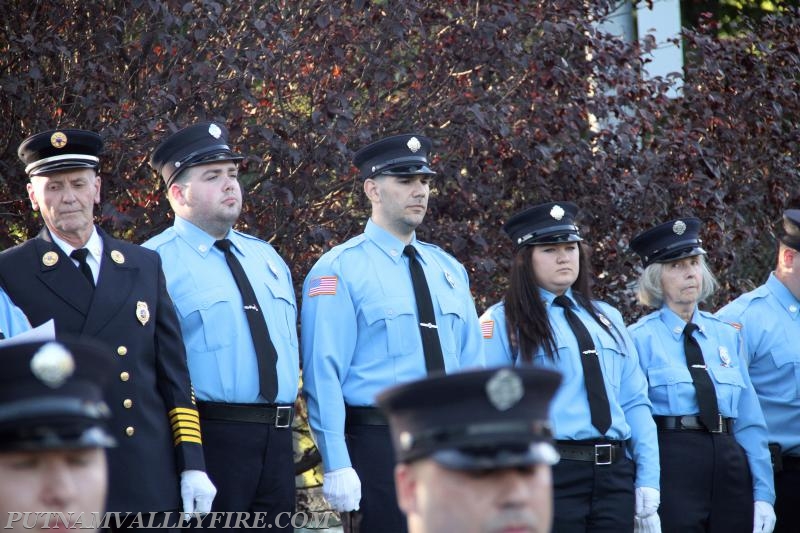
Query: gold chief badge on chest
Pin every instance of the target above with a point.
(142, 312)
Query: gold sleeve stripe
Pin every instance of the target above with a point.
(183, 411)
(184, 418)
(191, 432)
(189, 426)
(185, 438)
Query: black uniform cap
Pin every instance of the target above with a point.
(549, 223)
(474, 420)
(194, 145)
(669, 241)
(57, 150)
(790, 236)
(399, 155)
(51, 395)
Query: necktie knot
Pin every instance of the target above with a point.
(410, 252)
(690, 328)
(223, 244)
(79, 254)
(563, 301)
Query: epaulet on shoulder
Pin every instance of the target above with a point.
(643, 320)
(160, 239)
(249, 237)
(436, 247)
(339, 249)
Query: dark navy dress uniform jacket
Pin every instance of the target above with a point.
(154, 419)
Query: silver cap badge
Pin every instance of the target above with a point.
(52, 364)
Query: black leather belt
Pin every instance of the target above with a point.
(597, 452)
(365, 416)
(692, 423)
(790, 462)
(280, 416)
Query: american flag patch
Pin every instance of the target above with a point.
(487, 328)
(323, 285)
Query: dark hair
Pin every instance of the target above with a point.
(527, 323)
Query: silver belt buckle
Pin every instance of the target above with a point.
(718, 429)
(283, 416)
(603, 454)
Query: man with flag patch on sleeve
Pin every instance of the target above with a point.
(380, 309)
(93, 285)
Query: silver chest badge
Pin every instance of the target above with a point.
(504, 389)
(724, 356)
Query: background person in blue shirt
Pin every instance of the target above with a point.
(768, 318)
(710, 476)
(595, 479)
(361, 331)
(247, 437)
(12, 320)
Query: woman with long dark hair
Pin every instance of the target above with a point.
(608, 475)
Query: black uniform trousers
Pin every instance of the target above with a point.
(593, 498)
(706, 485)
(372, 456)
(252, 466)
(787, 491)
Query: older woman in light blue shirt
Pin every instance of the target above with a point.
(716, 473)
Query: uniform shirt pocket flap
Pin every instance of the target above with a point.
(451, 306)
(388, 309)
(200, 300)
(727, 375)
(668, 375)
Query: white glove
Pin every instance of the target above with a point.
(763, 517)
(647, 501)
(651, 524)
(197, 493)
(342, 489)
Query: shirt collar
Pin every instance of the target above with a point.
(675, 324)
(783, 295)
(94, 245)
(197, 239)
(389, 244)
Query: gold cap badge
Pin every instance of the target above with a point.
(142, 312)
(50, 259)
(58, 139)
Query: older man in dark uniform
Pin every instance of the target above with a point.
(96, 286)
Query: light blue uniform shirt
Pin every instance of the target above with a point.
(360, 331)
(219, 347)
(659, 340)
(768, 317)
(12, 320)
(625, 383)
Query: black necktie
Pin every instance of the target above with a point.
(703, 386)
(79, 254)
(592, 373)
(434, 361)
(266, 355)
